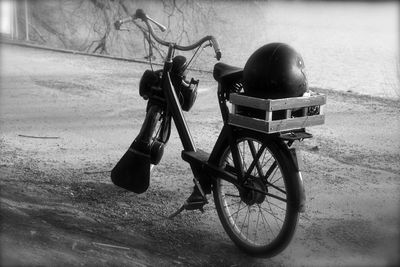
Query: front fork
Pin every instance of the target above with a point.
(147, 141)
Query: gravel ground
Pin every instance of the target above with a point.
(59, 207)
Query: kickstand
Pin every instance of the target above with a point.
(177, 212)
(192, 205)
(189, 206)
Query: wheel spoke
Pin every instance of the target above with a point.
(255, 233)
(274, 215)
(244, 220)
(271, 213)
(239, 209)
(273, 204)
(271, 169)
(248, 222)
(276, 197)
(241, 155)
(255, 162)
(265, 220)
(231, 204)
(277, 179)
(265, 164)
(256, 156)
(276, 187)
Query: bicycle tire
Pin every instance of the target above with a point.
(269, 245)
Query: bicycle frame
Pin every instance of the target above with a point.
(173, 103)
(205, 165)
(202, 164)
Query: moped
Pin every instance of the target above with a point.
(253, 170)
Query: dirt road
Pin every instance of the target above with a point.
(59, 207)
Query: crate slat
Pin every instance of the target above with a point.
(248, 101)
(275, 126)
(248, 123)
(295, 123)
(277, 104)
(297, 102)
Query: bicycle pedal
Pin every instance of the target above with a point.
(195, 205)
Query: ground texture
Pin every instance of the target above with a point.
(66, 119)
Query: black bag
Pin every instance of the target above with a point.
(132, 171)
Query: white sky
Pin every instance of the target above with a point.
(5, 16)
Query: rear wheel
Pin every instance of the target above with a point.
(261, 216)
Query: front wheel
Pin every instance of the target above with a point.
(261, 216)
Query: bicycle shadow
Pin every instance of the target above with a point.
(191, 238)
(95, 222)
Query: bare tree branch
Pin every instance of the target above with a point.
(87, 25)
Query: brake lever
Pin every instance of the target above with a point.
(194, 82)
(143, 16)
(217, 55)
(208, 45)
(117, 24)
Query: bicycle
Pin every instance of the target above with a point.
(253, 171)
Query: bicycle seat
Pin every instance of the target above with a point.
(224, 73)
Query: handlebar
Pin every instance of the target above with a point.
(118, 23)
(217, 50)
(141, 15)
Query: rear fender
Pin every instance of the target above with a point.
(298, 162)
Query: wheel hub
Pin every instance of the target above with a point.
(250, 196)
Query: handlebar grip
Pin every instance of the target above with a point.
(139, 14)
(217, 50)
(143, 16)
(118, 23)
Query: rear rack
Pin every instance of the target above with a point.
(301, 105)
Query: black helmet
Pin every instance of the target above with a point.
(274, 71)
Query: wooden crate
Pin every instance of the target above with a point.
(268, 125)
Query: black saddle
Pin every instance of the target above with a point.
(224, 73)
